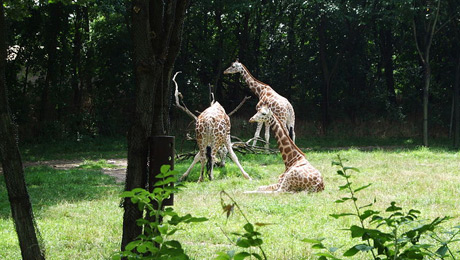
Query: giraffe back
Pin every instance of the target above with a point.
(212, 127)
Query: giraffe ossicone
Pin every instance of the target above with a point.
(267, 97)
(299, 174)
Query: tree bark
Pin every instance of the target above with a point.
(156, 32)
(456, 94)
(21, 208)
(51, 43)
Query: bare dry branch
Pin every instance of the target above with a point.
(239, 106)
(178, 95)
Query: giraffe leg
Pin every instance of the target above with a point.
(211, 169)
(203, 163)
(195, 160)
(235, 159)
(257, 134)
(267, 135)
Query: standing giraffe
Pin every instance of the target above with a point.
(212, 135)
(299, 174)
(267, 97)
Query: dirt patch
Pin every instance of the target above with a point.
(118, 172)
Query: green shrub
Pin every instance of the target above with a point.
(397, 234)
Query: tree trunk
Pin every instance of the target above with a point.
(13, 171)
(457, 105)
(76, 64)
(386, 51)
(326, 75)
(156, 32)
(51, 44)
(426, 87)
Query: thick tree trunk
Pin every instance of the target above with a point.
(156, 34)
(21, 209)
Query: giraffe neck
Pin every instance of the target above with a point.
(289, 151)
(256, 86)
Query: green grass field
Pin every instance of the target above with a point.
(78, 213)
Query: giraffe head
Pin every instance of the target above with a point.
(234, 68)
(263, 115)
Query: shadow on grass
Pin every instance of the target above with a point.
(48, 186)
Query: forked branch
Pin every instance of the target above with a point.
(178, 96)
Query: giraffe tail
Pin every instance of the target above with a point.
(209, 159)
(291, 132)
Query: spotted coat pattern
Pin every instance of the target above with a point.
(299, 174)
(278, 104)
(213, 132)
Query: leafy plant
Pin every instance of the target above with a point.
(159, 223)
(250, 238)
(395, 235)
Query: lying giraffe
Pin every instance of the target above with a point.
(212, 133)
(267, 97)
(299, 174)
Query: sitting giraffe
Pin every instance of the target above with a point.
(299, 174)
(212, 136)
(267, 97)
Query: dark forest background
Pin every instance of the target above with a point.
(351, 67)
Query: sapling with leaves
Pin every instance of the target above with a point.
(395, 235)
(247, 240)
(161, 222)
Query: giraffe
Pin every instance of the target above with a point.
(212, 128)
(268, 97)
(299, 174)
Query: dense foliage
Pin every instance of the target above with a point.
(351, 62)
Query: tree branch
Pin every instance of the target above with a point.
(239, 106)
(177, 94)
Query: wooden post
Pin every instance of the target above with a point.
(161, 153)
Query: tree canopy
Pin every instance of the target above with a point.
(70, 67)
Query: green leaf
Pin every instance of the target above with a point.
(249, 227)
(327, 255)
(334, 163)
(346, 186)
(363, 247)
(257, 256)
(336, 216)
(174, 244)
(351, 252)
(241, 255)
(442, 251)
(222, 256)
(158, 239)
(393, 207)
(242, 242)
(163, 229)
(351, 168)
(318, 246)
(131, 245)
(165, 168)
(367, 214)
(363, 187)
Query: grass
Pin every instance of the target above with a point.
(79, 218)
